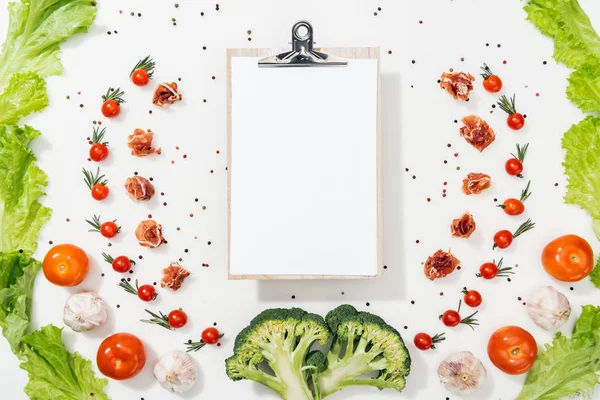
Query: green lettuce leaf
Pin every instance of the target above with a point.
(582, 165)
(595, 275)
(17, 275)
(22, 183)
(25, 93)
(54, 373)
(568, 366)
(36, 30)
(584, 87)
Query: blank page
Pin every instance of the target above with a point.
(303, 169)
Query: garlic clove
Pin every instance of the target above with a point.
(176, 372)
(462, 373)
(84, 311)
(548, 308)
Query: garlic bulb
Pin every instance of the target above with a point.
(548, 308)
(84, 311)
(176, 372)
(462, 373)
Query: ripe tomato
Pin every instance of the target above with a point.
(146, 292)
(488, 270)
(515, 121)
(568, 258)
(139, 77)
(210, 335)
(110, 108)
(451, 318)
(513, 206)
(493, 84)
(99, 191)
(472, 298)
(98, 152)
(503, 239)
(513, 167)
(512, 350)
(109, 229)
(423, 341)
(121, 264)
(177, 319)
(66, 265)
(121, 356)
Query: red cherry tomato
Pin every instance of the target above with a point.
(488, 270)
(513, 167)
(513, 207)
(99, 191)
(493, 84)
(139, 77)
(472, 298)
(503, 239)
(177, 319)
(515, 121)
(451, 318)
(98, 152)
(146, 293)
(109, 229)
(121, 264)
(110, 108)
(423, 341)
(210, 335)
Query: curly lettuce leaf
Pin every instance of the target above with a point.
(582, 166)
(17, 275)
(54, 373)
(568, 366)
(22, 183)
(595, 275)
(584, 87)
(36, 30)
(25, 94)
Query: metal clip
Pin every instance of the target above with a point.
(302, 54)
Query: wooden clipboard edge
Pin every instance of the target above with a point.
(345, 52)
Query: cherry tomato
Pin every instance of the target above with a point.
(98, 152)
(66, 265)
(568, 258)
(513, 206)
(512, 350)
(177, 319)
(515, 121)
(493, 84)
(121, 264)
(451, 318)
(210, 335)
(99, 191)
(472, 298)
(110, 108)
(425, 342)
(513, 167)
(109, 229)
(503, 239)
(146, 292)
(488, 270)
(121, 356)
(139, 77)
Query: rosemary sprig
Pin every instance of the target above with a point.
(195, 346)
(147, 64)
(161, 320)
(98, 135)
(525, 226)
(95, 223)
(521, 152)
(437, 338)
(116, 95)
(508, 106)
(525, 193)
(487, 72)
(130, 289)
(90, 179)
(470, 321)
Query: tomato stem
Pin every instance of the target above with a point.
(161, 320)
(508, 106)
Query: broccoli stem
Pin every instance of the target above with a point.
(290, 376)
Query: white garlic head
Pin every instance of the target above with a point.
(548, 308)
(462, 373)
(84, 311)
(176, 372)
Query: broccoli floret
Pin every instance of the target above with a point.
(282, 338)
(315, 364)
(363, 345)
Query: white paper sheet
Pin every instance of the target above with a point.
(304, 169)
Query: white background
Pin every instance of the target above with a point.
(418, 123)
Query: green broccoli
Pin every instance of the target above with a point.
(363, 344)
(364, 351)
(282, 338)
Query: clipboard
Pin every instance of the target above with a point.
(245, 260)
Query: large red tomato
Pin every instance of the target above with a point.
(568, 258)
(512, 350)
(121, 356)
